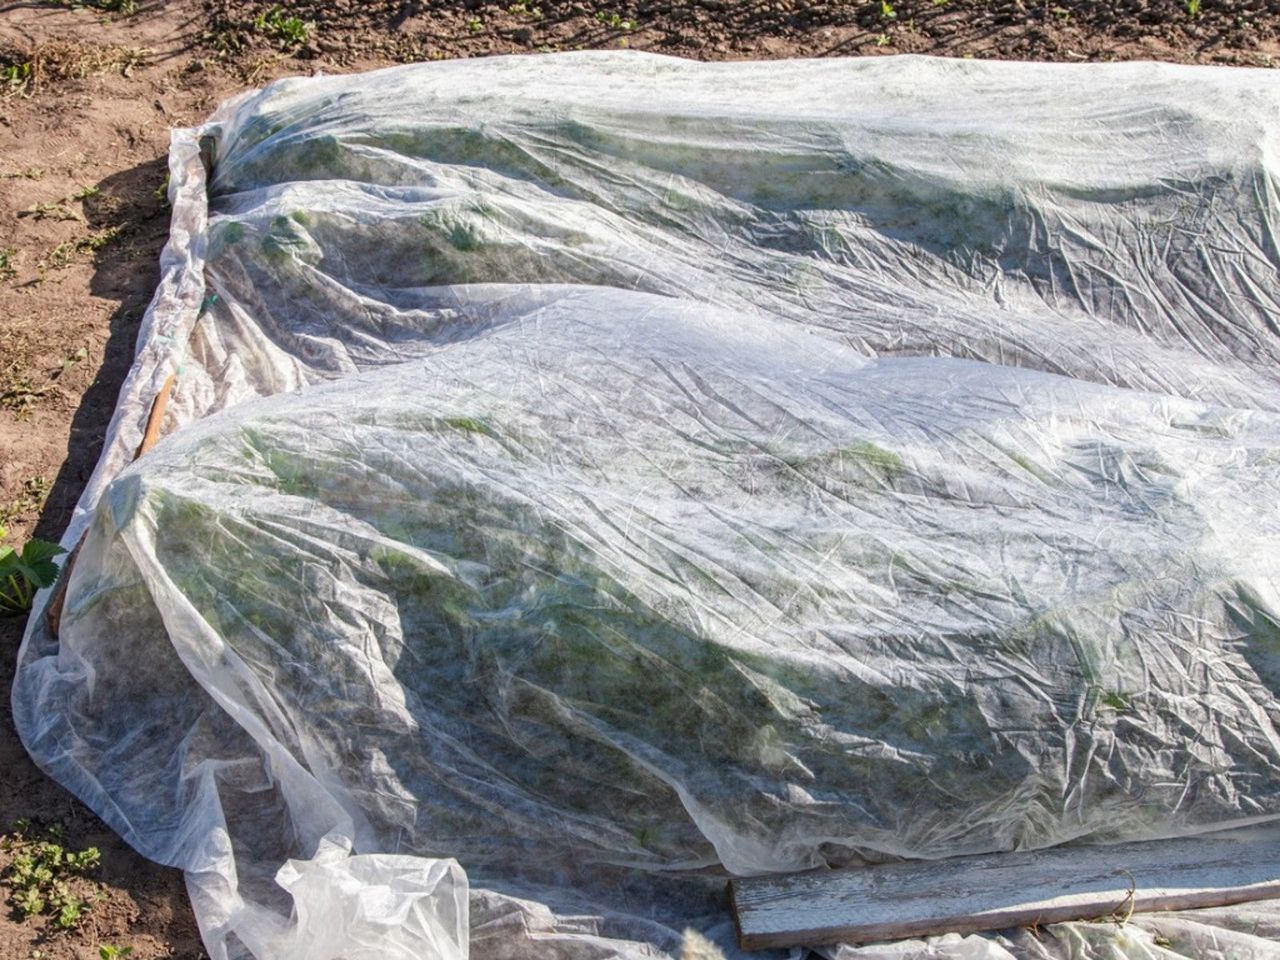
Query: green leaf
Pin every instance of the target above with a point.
(23, 572)
(36, 563)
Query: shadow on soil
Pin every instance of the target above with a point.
(126, 270)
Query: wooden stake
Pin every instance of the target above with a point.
(150, 434)
(1001, 890)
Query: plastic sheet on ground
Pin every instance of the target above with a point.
(590, 477)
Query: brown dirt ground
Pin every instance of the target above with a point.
(83, 136)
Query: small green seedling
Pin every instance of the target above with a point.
(475, 24)
(38, 875)
(81, 354)
(64, 254)
(51, 210)
(96, 241)
(108, 952)
(15, 78)
(27, 173)
(616, 21)
(23, 572)
(1193, 8)
(35, 490)
(285, 32)
(886, 10)
(125, 8)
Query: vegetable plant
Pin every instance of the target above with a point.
(285, 32)
(38, 875)
(15, 78)
(23, 572)
(615, 20)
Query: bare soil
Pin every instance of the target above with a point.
(87, 99)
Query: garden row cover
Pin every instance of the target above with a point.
(590, 477)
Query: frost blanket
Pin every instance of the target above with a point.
(590, 477)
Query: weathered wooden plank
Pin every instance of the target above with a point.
(995, 891)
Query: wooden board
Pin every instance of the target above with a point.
(150, 434)
(995, 891)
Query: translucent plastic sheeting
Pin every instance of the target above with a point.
(605, 474)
